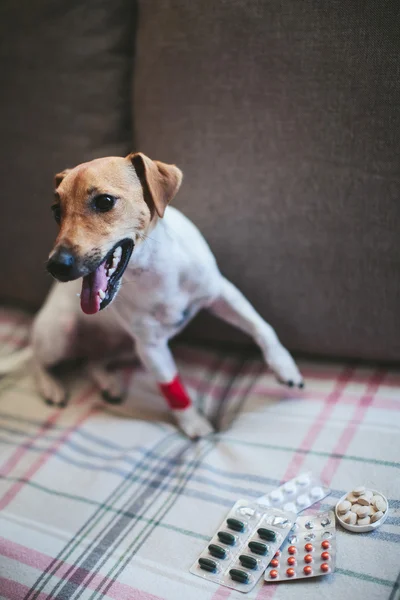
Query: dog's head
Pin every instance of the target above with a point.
(105, 208)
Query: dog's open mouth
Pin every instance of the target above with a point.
(100, 287)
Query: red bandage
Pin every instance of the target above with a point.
(175, 394)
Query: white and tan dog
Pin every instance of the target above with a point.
(114, 223)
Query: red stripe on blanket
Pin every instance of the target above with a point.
(44, 457)
(348, 434)
(317, 426)
(273, 391)
(23, 448)
(221, 594)
(39, 560)
(14, 590)
(267, 591)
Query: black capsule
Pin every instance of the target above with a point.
(226, 538)
(208, 565)
(258, 548)
(239, 575)
(235, 524)
(267, 534)
(217, 551)
(248, 561)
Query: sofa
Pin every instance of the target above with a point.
(283, 118)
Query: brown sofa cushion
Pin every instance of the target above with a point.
(284, 118)
(65, 84)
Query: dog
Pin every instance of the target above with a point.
(118, 238)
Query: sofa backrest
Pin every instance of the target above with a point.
(65, 98)
(284, 117)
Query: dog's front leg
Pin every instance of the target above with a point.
(158, 360)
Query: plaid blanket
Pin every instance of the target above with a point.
(115, 503)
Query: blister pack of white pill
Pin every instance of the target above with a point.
(244, 545)
(309, 551)
(297, 494)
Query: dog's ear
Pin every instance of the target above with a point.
(60, 176)
(160, 182)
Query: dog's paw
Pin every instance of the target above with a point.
(50, 388)
(59, 403)
(54, 394)
(111, 399)
(109, 383)
(284, 367)
(192, 424)
(111, 389)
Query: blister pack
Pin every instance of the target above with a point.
(310, 550)
(239, 552)
(297, 494)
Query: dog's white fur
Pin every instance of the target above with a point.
(171, 276)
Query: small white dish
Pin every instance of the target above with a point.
(362, 528)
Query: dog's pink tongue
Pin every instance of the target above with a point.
(91, 284)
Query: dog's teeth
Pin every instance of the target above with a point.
(101, 294)
(115, 262)
(117, 252)
(110, 272)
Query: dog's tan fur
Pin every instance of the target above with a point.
(139, 198)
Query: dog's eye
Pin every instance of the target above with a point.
(56, 213)
(103, 203)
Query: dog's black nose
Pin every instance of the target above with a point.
(62, 265)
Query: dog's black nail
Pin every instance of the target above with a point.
(290, 383)
(111, 399)
(49, 401)
(115, 400)
(301, 385)
(62, 404)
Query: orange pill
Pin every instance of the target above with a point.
(292, 549)
(290, 572)
(325, 545)
(291, 561)
(273, 574)
(308, 547)
(308, 558)
(277, 553)
(325, 555)
(324, 567)
(307, 570)
(274, 563)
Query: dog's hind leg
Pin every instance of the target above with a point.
(232, 306)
